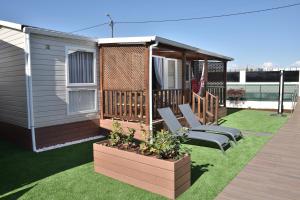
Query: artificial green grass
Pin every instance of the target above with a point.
(253, 120)
(67, 173)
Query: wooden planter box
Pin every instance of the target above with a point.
(167, 178)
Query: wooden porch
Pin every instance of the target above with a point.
(127, 77)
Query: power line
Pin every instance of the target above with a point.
(90, 27)
(193, 18)
(208, 17)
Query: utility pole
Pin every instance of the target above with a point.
(281, 93)
(111, 24)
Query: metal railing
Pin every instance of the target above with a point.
(263, 92)
(294, 100)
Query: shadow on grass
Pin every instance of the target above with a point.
(233, 110)
(221, 121)
(17, 194)
(198, 171)
(20, 167)
(229, 112)
(207, 144)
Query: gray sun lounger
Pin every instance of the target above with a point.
(197, 126)
(175, 127)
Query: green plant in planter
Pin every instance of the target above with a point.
(119, 137)
(163, 144)
(128, 138)
(115, 137)
(169, 146)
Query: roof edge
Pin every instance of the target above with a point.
(146, 39)
(42, 31)
(11, 25)
(127, 40)
(57, 34)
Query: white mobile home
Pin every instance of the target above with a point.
(35, 91)
(53, 92)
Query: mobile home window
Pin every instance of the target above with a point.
(81, 67)
(81, 81)
(81, 101)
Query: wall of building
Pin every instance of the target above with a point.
(48, 58)
(265, 89)
(272, 105)
(242, 80)
(13, 99)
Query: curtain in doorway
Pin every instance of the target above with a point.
(158, 66)
(202, 82)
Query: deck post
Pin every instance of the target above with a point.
(191, 74)
(225, 83)
(101, 61)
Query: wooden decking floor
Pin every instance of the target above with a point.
(274, 173)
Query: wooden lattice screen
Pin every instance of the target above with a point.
(215, 72)
(123, 67)
(216, 83)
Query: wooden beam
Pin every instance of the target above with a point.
(170, 47)
(190, 54)
(178, 55)
(146, 85)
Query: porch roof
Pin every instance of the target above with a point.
(161, 40)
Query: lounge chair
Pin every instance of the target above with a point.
(197, 126)
(175, 127)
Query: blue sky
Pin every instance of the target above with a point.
(271, 38)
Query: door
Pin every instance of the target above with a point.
(171, 63)
(188, 75)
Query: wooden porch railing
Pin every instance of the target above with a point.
(199, 107)
(212, 107)
(219, 91)
(131, 105)
(123, 104)
(169, 98)
(206, 108)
